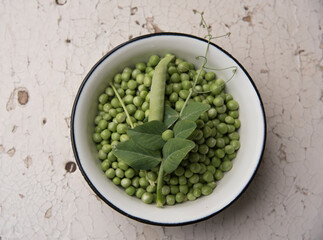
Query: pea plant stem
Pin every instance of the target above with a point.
(159, 200)
(122, 104)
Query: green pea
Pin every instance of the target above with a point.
(114, 165)
(115, 136)
(204, 116)
(168, 134)
(173, 97)
(143, 182)
(194, 157)
(234, 114)
(207, 131)
(102, 155)
(140, 192)
(141, 66)
(169, 89)
(152, 176)
(222, 128)
(234, 136)
(197, 192)
(165, 190)
(219, 153)
(105, 165)
(138, 101)
(237, 123)
(231, 156)
(121, 117)
(105, 134)
(173, 180)
(123, 166)
(96, 137)
(110, 173)
(231, 128)
(229, 149)
(175, 78)
(210, 142)
(135, 73)
(206, 190)
(194, 179)
(208, 176)
(135, 180)
(183, 188)
(125, 182)
(216, 88)
(121, 128)
(218, 175)
(183, 93)
(142, 173)
(116, 180)
(203, 149)
(147, 198)
(127, 70)
(210, 76)
(147, 81)
(148, 68)
(184, 77)
(232, 105)
(174, 189)
(106, 148)
(151, 189)
(190, 196)
(235, 144)
(103, 98)
(226, 166)
(180, 170)
(170, 200)
(113, 112)
(177, 87)
(220, 143)
(182, 180)
(119, 173)
(179, 105)
(188, 173)
(195, 167)
(183, 67)
(180, 197)
(139, 115)
(114, 143)
(130, 190)
(153, 60)
(145, 106)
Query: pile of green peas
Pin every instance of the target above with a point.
(216, 136)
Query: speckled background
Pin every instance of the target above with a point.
(47, 47)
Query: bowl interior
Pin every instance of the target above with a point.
(252, 131)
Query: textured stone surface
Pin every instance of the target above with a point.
(47, 47)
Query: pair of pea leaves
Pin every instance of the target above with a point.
(143, 150)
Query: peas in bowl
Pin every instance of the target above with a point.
(150, 128)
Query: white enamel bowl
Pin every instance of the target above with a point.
(252, 131)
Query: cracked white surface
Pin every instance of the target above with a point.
(47, 47)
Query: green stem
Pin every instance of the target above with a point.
(122, 104)
(159, 200)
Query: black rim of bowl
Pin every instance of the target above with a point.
(75, 148)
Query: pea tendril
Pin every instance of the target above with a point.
(209, 37)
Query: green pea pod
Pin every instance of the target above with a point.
(157, 92)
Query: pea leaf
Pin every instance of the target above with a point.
(136, 156)
(184, 128)
(148, 135)
(170, 116)
(193, 110)
(174, 152)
